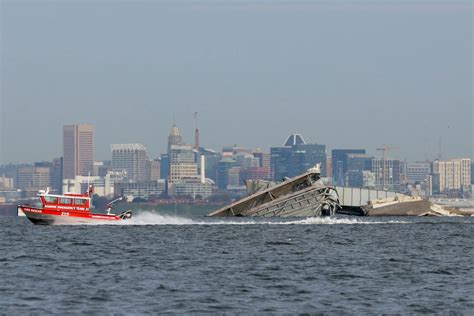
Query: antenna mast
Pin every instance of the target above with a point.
(196, 131)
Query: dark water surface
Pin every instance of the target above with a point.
(245, 266)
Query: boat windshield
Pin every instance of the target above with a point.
(51, 199)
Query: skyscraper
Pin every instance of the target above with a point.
(182, 163)
(296, 157)
(131, 157)
(339, 164)
(175, 137)
(78, 150)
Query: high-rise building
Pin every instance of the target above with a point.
(387, 173)
(130, 157)
(223, 172)
(78, 150)
(280, 162)
(265, 162)
(296, 157)
(164, 166)
(57, 175)
(175, 137)
(305, 156)
(212, 158)
(356, 165)
(454, 174)
(182, 163)
(339, 164)
(155, 168)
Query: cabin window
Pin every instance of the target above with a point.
(80, 202)
(51, 199)
(65, 200)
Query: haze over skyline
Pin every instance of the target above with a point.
(341, 74)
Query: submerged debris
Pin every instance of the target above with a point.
(303, 195)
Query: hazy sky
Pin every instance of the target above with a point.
(342, 73)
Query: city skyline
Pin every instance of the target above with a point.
(107, 154)
(341, 75)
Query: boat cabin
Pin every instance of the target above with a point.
(66, 202)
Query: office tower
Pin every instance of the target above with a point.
(356, 165)
(265, 162)
(296, 157)
(130, 157)
(182, 163)
(174, 138)
(78, 150)
(223, 167)
(305, 156)
(57, 175)
(164, 166)
(155, 169)
(280, 162)
(339, 164)
(387, 173)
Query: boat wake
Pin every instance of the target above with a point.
(150, 218)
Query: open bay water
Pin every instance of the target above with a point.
(168, 264)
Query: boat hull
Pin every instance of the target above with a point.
(52, 217)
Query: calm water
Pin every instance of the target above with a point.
(245, 266)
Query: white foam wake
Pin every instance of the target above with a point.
(150, 218)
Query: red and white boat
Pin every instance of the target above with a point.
(68, 208)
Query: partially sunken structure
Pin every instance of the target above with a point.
(303, 195)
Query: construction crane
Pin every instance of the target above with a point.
(384, 149)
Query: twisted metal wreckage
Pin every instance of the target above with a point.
(303, 195)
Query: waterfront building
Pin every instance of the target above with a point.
(387, 173)
(212, 159)
(254, 173)
(141, 189)
(194, 188)
(356, 164)
(417, 172)
(223, 172)
(233, 178)
(155, 168)
(295, 157)
(103, 186)
(472, 173)
(339, 164)
(265, 162)
(57, 175)
(164, 166)
(182, 163)
(78, 150)
(6, 183)
(246, 160)
(305, 156)
(130, 157)
(32, 179)
(280, 162)
(454, 175)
